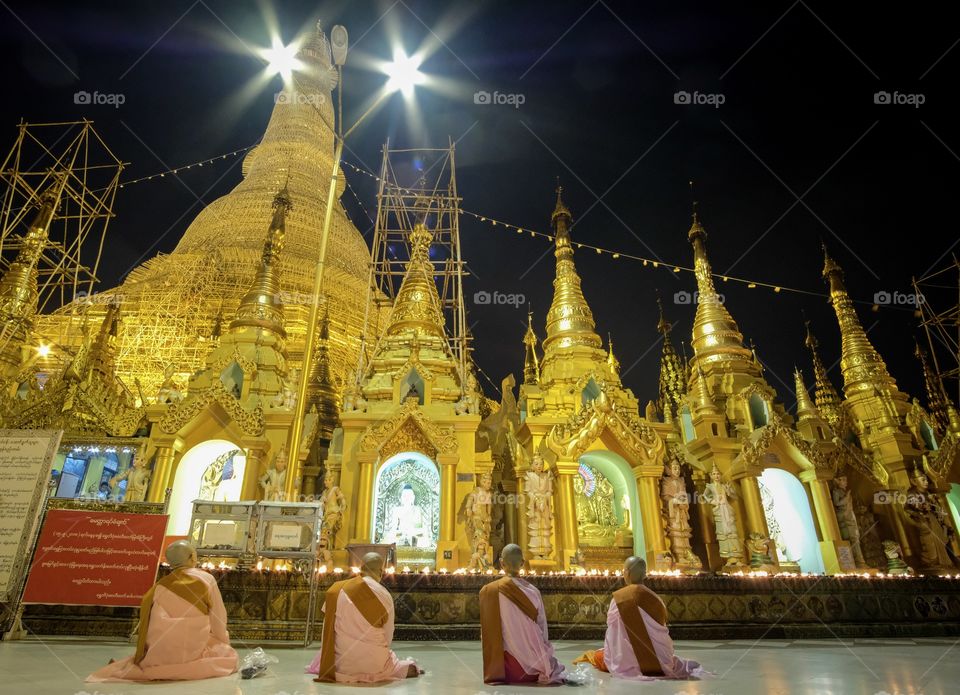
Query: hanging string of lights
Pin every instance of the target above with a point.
(176, 170)
(506, 226)
(647, 262)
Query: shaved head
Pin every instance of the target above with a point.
(181, 554)
(372, 565)
(634, 569)
(511, 558)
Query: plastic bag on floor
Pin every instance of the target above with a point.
(581, 675)
(255, 663)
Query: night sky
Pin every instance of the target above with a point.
(797, 153)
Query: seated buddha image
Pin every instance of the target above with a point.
(407, 525)
(597, 522)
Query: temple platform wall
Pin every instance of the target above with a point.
(272, 606)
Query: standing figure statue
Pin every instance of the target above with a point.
(847, 518)
(273, 480)
(334, 505)
(469, 403)
(137, 477)
(476, 514)
(676, 507)
(539, 490)
(928, 518)
(720, 495)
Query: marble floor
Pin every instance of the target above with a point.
(860, 667)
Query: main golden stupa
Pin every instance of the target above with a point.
(174, 303)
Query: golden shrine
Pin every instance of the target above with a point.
(192, 364)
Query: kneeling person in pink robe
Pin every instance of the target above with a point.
(183, 628)
(358, 631)
(638, 645)
(513, 628)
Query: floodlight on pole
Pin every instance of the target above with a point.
(404, 76)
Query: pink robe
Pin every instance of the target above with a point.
(182, 642)
(362, 651)
(527, 642)
(621, 661)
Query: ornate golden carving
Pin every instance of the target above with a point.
(409, 430)
(571, 439)
(179, 414)
(755, 447)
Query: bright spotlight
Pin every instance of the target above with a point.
(404, 73)
(281, 60)
(43, 350)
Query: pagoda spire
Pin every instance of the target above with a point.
(938, 403)
(703, 402)
(103, 351)
(861, 365)
(612, 360)
(569, 321)
(806, 410)
(531, 365)
(322, 391)
(673, 374)
(716, 337)
(417, 306)
(261, 307)
(19, 293)
(824, 393)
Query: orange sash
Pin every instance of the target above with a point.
(370, 607)
(491, 628)
(191, 589)
(630, 601)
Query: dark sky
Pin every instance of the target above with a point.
(876, 182)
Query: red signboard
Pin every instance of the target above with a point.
(95, 558)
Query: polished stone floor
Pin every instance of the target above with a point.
(861, 667)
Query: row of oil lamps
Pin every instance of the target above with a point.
(323, 569)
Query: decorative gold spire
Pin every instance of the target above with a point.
(103, 350)
(861, 365)
(18, 287)
(531, 365)
(806, 410)
(417, 305)
(716, 337)
(937, 399)
(569, 320)
(704, 403)
(826, 396)
(612, 360)
(322, 392)
(673, 374)
(261, 307)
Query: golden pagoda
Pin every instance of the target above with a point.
(18, 288)
(407, 455)
(579, 418)
(173, 299)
